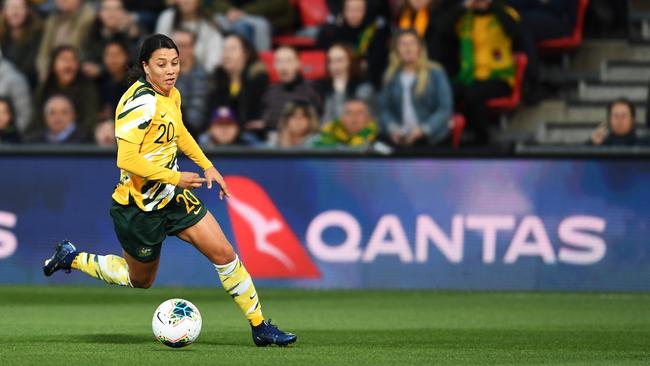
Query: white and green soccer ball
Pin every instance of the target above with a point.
(176, 323)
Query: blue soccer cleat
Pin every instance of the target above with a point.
(61, 259)
(267, 333)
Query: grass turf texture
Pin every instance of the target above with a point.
(112, 326)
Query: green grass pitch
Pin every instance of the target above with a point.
(112, 326)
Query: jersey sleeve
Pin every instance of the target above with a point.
(134, 118)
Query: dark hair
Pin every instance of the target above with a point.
(250, 53)
(149, 46)
(31, 25)
(12, 111)
(354, 69)
(121, 42)
(625, 101)
(50, 81)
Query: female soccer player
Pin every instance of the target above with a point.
(153, 198)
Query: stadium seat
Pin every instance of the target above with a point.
(510, 103)
(569, 43)
(313, 64)
(457, 126)
(313, 13)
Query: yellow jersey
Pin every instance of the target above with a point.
(153, 121)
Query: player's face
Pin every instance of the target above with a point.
(408, 48)
(621, 121)
(337, 62)
(162, 69)
(355, 117)
(354, 11)
(15, 12)
(5, 115)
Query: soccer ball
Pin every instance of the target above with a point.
(176, 323)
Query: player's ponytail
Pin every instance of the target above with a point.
(149, 46)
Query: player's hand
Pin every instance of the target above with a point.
(211, 174)
(190, 180)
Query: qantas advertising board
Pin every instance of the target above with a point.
(363, 223)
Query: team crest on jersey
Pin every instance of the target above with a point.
(145, 251)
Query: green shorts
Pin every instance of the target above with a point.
(141, 233)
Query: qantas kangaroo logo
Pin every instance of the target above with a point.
(265, 241)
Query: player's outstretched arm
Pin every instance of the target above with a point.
(189, 147)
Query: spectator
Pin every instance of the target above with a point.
(192, 82)
(356, 128)
(292, 87)
(424, 17)
(8, 131)
(105, 133)
(65, 77)
(112, 22)
(14, 86)
(60, 122)
(145, 11)
(416, 102)
(20, 35)
(240, 83)
(224, 130)
(188, 14)
(368, 37)
(620, 129)
(113, 81)
(375, 8)
(547, 19)
(343, 81)
(483, 32)
(69, 25)
(252, 19)
(298, 126)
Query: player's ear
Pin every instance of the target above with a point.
(145, 67)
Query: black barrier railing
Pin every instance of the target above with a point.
(516, 151)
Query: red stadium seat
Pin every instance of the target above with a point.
(570, 43)
(457, 127)
(312, 14)
(313, 64)
(267, 58)
(510, 103)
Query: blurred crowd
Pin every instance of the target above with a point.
(396, 72)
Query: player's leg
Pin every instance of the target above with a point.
(108, 268)
(140, 234)
(207, 236)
